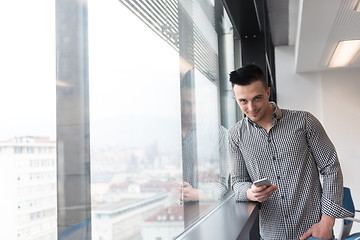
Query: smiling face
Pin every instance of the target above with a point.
(253, 99)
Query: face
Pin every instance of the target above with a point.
(187, 107)
(253, 99)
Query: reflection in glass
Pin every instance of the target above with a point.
(211, 140)
(204, 151)
(153, 133)
(135, 127)
(204, 147)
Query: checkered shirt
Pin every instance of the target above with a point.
(211, 153)
(291, 155)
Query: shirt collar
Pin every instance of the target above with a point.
(277, 114)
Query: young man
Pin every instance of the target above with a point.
(290, 148)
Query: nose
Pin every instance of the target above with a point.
(250, 106)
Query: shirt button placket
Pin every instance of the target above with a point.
(286, 213)
(282, 196)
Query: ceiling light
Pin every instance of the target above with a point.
(344, 53)
(357, 6)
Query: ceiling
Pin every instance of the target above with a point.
(314, 27)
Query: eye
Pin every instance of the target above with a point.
(257, 98)
(242, 101)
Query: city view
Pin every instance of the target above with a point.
(134, 193)
(136, 136)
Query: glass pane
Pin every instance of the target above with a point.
(205, 152)
(226, 38)
(28, 120)
(135, 127)
(205, 157)
(158, 151)
(211, 142)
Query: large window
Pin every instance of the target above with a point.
(135, 127)
(114, 117)
(158, 149)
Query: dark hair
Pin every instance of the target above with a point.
(247, 75)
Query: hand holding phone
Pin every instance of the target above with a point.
(259, 193)
(263, 181)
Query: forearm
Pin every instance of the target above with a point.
(326, 159)
(332, 193)
(333, 182)
(240, 189)
(241, 181)
(328, 221)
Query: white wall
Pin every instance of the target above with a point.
(341, 97)
(334, 98)
(296, 91)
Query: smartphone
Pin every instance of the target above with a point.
(263, 181)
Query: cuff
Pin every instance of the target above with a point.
(332, 209)
(240, 191)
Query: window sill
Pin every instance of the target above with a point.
(230, 220)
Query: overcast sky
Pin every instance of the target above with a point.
(27, 75)
(133, 77)
(134, 80)
(128, 65)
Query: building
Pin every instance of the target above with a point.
(32, 163)
(165, 224)
(123, 219)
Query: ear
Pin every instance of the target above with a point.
(268, 93)
(233, 93)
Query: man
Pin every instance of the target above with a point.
(204, 143)
(290, 148)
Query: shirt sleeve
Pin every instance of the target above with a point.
(327, 161)
(240, 179)
(217, 189)
(224, 161)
